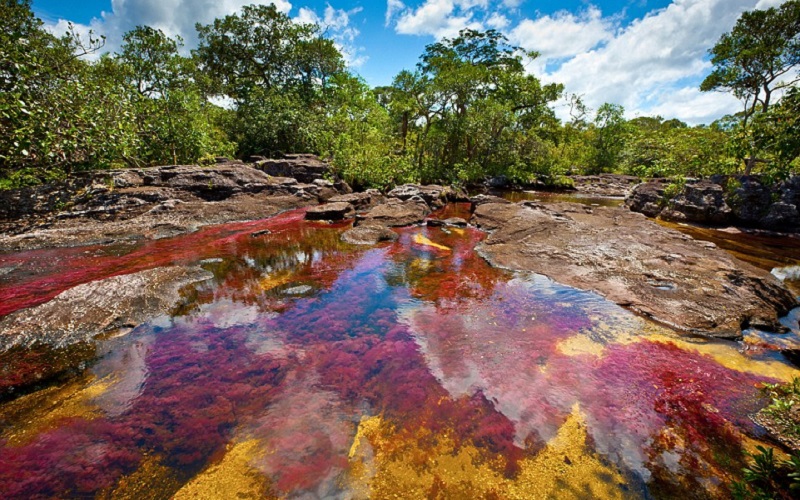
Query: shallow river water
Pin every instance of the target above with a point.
(310, 368)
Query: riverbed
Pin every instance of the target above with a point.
(306, 367)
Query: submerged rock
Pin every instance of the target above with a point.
(652, 270)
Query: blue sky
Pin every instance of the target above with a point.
(647, 55)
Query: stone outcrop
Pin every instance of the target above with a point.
(433, 195)
(723, 200)
(657, 272)
(605, 184)
(151, 202)
(306, 168)
(361, 201)
(395, 213)
(331, 211)
(702, 202)
(368, 235)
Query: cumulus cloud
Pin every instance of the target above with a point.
(439, 18)
(650, 62)
(651, 65)
(564, 34)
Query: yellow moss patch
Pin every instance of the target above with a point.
(41, 411)
(231, 477)
(151, 480)
(419, 239)
(729, 356)
(385, 463)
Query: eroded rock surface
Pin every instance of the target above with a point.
(82, 313)
(742, 200)
(330, 211)
(395, 213)
(655, 271)
(368, 235)
(152, 202)
(433, 195)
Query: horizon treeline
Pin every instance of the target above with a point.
(468, 111)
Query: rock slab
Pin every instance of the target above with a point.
(657, 272)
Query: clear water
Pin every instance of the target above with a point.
(309, 368)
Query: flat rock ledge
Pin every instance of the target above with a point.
(660, 273)
(369, 235)
(86, 311)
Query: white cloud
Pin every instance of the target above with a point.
(654, 65)
(392, 8)
(564, 34)
(498, 21)
(173, 17)
(439, 18)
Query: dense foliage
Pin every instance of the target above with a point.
(468, 111)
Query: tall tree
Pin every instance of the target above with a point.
(275, 70)
(758, 58)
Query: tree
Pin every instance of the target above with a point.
(275, 70)
(757, 59)
(47, 122)
(609, 136)
(174, 120)
(471, 102)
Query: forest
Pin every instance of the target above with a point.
(262, 84)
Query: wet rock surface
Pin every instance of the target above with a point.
(657, 272)
(330, 211)
(82, 313)
(395, 213)
(368, 235)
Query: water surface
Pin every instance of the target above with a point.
(311, 368)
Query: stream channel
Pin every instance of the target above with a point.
(305, 367)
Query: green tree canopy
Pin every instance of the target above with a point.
(758, 57)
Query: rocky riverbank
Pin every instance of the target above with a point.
(746, 201)
(150, 203)
(657, 272)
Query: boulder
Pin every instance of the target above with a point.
(701, 201)
(452, 222)
(652, 270)
(361, 201)
(395, 213)
(305, 168)
(368, 235)
(748, 198)
(434, 195)
(782, 217)
(330, 211)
